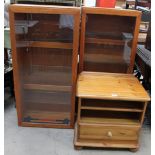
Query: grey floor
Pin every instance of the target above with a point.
(47, 141)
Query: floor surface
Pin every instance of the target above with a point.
(48, 141)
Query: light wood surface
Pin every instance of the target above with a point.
(110, 11)
(48, 9)
(104, 144)
(111, 110)
(110, 86)
(108, 132)
(117, 121)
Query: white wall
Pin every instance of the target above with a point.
(7, 1)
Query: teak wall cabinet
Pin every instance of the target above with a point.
(44, 42)
(111, 110)
(108, 39)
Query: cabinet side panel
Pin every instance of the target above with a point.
(16, 65)
(74, 63)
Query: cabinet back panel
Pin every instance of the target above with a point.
(48, 97)
(106, 67)
(109, 23)
(109, 114)
(45, 66)
(107, 42)
(112, 104)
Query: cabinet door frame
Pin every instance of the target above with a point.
(109, 11)
(44, 9)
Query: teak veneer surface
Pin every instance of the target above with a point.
(110, 86)
(45, 64)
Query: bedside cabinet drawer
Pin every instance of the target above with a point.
(108, 132)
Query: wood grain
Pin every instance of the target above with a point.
(108, 132)
(105, 143)
(48, 9)
(110, 86)
(47, 87)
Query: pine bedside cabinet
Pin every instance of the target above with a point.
(111, 109)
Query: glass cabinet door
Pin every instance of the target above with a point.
(44, 50)
(107, 40)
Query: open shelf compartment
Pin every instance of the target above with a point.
(112, 105)
(98, 111)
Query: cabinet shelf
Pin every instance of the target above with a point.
(111, 109)
(47, 112)
(44, 44)
(47, 87)
(39, 116)
(105, 41)
(105, 58)
(118, 121)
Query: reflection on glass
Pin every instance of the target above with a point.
(108, 42)
(35, 27)
(44, 49)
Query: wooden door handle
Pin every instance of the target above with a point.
(109, 134)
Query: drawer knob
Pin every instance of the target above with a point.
(109, 134)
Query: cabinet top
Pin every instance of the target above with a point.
(111, 11)
(112, 86)
(44, 9)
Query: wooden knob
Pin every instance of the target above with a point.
(109, 134)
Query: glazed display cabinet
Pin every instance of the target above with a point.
(108, 39)
(44, 42)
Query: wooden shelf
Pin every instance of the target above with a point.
(96, 120)
(40, 116)
(105, 58)
(105, 41)
(44, 44)
(111, 109)
(47, 87)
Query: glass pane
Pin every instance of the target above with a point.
(47, 106)
(46, 76)
(108, 41)
(44, 27)
(46, 66)
(44, 51)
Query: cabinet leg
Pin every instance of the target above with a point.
(134, 149)
(77, 147)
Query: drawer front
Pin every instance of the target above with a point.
(108, 132)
